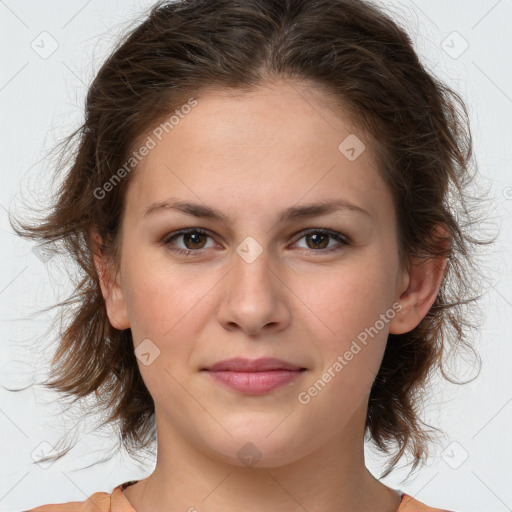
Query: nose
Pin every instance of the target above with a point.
(255, 299)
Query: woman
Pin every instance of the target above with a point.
(259, 206)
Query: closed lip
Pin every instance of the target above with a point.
(264, 364)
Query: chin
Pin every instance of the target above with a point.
(258, 444)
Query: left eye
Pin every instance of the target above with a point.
(317, 237)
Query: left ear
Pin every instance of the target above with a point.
(419, 288)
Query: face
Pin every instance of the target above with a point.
(255, 283)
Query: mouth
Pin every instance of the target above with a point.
(254, 377)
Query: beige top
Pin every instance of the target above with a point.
(117, 502)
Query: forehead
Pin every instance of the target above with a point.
(274, 145)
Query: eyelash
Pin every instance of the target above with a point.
(342, 239)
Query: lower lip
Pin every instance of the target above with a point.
(255, 383)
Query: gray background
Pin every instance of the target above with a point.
(49, 53)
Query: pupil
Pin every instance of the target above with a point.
(315, 237)
(196, 236)
(316, 240)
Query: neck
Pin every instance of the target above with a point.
(332, 478)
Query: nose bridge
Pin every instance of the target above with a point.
(252, 297)
(251, 273)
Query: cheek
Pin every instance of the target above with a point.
(354, 306)
(352, 344)
(348, 301)
(166, 308)
(161, 296)
(169, 306)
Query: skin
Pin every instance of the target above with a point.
(251, 156)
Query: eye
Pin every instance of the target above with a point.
(193, 239)
(319, 238)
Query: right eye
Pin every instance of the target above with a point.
(191, 237)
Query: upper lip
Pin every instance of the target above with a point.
(240, 364)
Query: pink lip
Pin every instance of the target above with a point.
(256, 376)
(240, 364)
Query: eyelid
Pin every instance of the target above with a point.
(331, 232)
(176, 234)
(342, 239)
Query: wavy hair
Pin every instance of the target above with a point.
(363, 62)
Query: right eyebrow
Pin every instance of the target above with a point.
(294, 212)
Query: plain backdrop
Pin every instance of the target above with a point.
(49, 53)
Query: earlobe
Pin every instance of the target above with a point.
(420, 283)
(419, 293)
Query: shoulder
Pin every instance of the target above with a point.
(97, 502)
(409, 504)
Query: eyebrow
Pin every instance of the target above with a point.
(294, 212)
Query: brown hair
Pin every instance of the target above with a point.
(359, 58)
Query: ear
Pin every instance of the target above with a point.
(418, 288)
(110, 287)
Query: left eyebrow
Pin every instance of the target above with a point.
(294, 212)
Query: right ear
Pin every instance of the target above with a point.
(110, 287)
